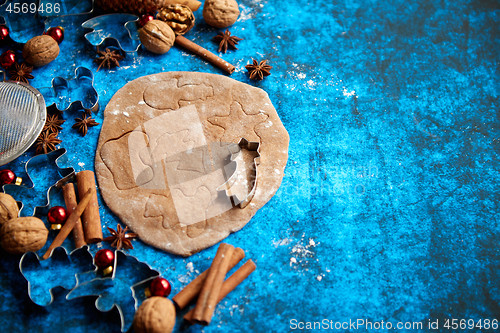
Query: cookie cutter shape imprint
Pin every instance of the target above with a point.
(226, 187)
(73, 93)
(36, 163)
(114, 30)
(22, 117)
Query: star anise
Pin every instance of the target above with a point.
(120, 238)
(82, 124)
(21, 73)
(225, 39)
(46, 142)
(109, 58)
(53, 124)
(257, 71)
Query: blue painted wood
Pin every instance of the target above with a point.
(388, 210)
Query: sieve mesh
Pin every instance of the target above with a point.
(22, 117)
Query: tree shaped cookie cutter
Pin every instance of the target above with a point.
(77, 273)
(35, 163)
(226, 187)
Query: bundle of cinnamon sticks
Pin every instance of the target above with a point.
(84, 219)
(210, 287)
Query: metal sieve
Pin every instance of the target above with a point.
(22, 117)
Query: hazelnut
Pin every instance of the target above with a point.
(40, 50)
(155, 315)
(23, 234)
(157, 36)
(8, 208)
(220, 13)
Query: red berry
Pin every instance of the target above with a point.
(4, 32)
(7, 177)
(104, 258)
(57, 215)
(8, 59)
(160, 287)
(57, 33)
(145, 19)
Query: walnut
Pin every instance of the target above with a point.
(157, 36)
(179, 17)
(8, 208)
(40, 50)
(23, 234)
(220, 13)
(155, 315)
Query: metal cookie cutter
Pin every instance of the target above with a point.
(59, 270)
(114, 30)
(226, 187)
(25, 18)
(128, 274)
(32, 193)
(78, 273)
(78, 93)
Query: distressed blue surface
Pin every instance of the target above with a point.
(389, 206)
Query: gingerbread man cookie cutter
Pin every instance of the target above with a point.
(35, 163)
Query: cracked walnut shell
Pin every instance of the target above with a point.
(220, 13)
(23, 234)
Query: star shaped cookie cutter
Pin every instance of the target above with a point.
(226, 187)
(35, 163)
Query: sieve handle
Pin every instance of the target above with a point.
(3, 72)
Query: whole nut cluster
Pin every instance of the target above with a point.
(179, 17)
(157, 36)
(155, 315)
(220, 13)
(40, 50)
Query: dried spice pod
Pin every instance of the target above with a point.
(155, 315)
(40, 50)
(220, 13)
(179, 17)
(23, 234)
(157, 36)
(8, 208)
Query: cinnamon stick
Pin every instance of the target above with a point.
(70, 201)
(230, 284)
(70, 222)
(91, 219)
(204, 54)
(186, 295)
(207, 300)
(192, 4)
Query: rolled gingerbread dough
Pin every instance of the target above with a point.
(167, 148)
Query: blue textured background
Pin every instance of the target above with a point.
(389, 206)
